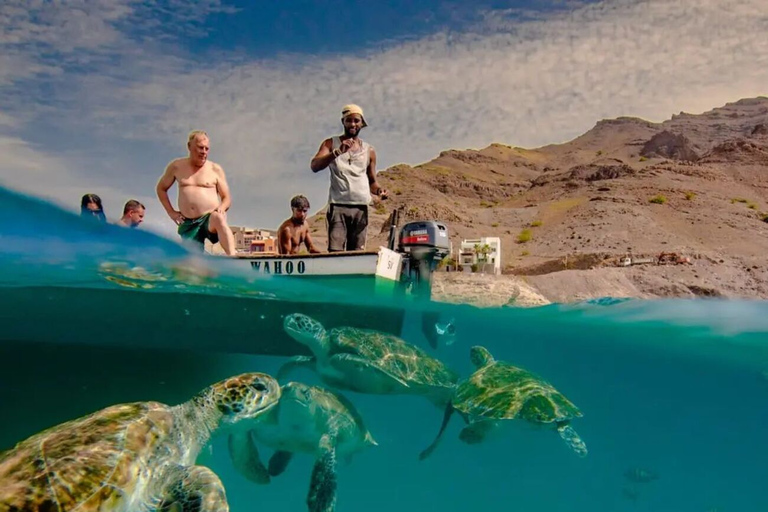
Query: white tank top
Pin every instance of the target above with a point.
(349, 175)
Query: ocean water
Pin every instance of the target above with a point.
(94, 315)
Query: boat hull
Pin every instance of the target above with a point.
(358, 263)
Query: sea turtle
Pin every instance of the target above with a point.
(368, 361)
(135, 456)
(308, 419)
(499, 391)
(178, 274)
(130, 277)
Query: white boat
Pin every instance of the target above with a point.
(406, 271)
(383, 263)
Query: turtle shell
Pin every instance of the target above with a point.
(177, 275)
(333, 409)
(339, 407)
(502, 391)
(393, 355)
(88, 464)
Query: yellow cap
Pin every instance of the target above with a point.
(350, 109)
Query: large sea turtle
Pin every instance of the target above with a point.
(133, 457)
(499, 391)
(368, 361)
(308, 419)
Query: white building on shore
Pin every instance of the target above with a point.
(485, 251)
(248, 240)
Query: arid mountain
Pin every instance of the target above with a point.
(694, 185)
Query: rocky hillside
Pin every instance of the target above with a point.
(694, 185)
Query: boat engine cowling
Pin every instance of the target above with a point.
(423, 245)
(425, 240)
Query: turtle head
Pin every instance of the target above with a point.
(241, 398)
(480, 356)
(307, 331)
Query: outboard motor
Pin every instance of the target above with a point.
(423, 244)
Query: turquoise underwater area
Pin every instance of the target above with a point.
(677, 389)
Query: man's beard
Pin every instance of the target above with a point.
(348, 134)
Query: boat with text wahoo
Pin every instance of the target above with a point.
(409, 260)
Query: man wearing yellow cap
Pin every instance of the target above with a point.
(352, 164)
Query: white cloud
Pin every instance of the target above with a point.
(546, 80)
(7, 121)
(24, 164)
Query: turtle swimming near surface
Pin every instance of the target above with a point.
(308, 419)
(499, 391)
(133, 457)
(189, 272)
(641, 475)
(368, 361)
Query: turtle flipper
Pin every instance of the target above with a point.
(245, 457)
(446, 418)
(294, 363)
(322, 486)
(351, 362)
(278, 462)
(193, 489)
(572, 439)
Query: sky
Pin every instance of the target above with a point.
(98, 95)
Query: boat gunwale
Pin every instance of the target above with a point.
(321, 255)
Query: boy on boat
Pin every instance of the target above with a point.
(352, 165)
(204, 196)
(295, 231)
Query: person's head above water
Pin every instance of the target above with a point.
(90, 206)
(353, 119)
(300, 208)
(198, 145)
(133, 213)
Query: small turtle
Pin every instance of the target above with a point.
(133, 457)
(130, 277)
(368, 361)
(178, 274)
(308, 419)
(499, 391)
(641, 475)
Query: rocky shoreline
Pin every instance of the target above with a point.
(707, 277)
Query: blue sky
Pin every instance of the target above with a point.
(97, 95)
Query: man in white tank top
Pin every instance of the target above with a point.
(352, 164)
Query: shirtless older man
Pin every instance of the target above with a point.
(201, 215)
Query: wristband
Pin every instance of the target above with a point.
(336, 152)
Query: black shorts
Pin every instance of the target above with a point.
(347, 227)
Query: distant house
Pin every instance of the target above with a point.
(483, 252)
(248, 240)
